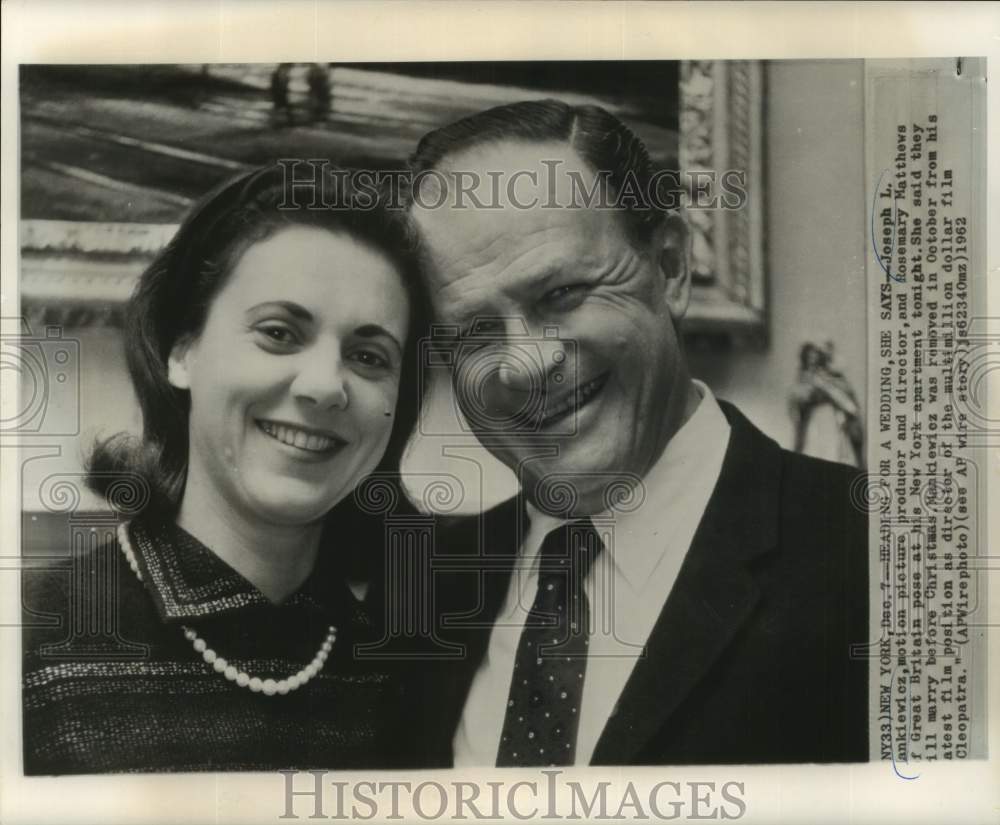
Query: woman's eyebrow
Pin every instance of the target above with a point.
(295, 310)
(375, 330)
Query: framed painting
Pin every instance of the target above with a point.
(113, 156)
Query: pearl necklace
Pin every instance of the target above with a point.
(269, 687)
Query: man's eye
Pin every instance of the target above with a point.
(481, 329)
(566, 294)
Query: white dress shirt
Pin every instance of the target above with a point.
(627, 587)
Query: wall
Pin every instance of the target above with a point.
(815, 235)
(104, 405)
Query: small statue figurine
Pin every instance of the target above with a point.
(820, 384)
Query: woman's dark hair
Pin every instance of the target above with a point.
(174, 294)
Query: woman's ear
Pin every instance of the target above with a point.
(178, 371)
(674, 254)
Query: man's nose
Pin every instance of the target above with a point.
(321, 380)
(532, 363)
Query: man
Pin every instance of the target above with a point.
(703, 587)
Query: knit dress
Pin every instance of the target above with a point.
(112, 681)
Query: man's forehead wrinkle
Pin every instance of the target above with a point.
(542, 253)
(621, 264)
(453, 251)
(499, 252)
(460, 303)
(502, 283)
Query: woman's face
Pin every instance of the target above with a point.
(295, 376)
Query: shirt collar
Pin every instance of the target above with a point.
(540, 524)
(188, 581)
(676, 489)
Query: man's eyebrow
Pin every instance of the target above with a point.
(463, 316)
(375, 331)
(528, 284)
(295, 310)
(540, 279)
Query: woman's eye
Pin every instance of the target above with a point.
(369, 358)
(277, 334)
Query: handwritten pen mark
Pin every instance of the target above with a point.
(885, 268)
(892, 748)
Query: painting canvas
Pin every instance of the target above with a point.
(112, 156)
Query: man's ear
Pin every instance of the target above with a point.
(674, 257)
(178, 371)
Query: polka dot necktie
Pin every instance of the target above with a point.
(543, 706)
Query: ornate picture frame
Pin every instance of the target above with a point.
(721, 130)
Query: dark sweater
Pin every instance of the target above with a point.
(116, 687)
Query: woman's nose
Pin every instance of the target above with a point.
(321, 381)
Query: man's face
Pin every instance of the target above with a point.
(568, 291)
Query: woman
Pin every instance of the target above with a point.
(272, 349)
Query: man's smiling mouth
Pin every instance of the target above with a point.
(574, 401)
(311, 441)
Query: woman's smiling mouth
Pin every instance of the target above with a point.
(310, 441)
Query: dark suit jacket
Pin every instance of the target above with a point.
(750, 660)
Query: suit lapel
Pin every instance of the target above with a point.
(712, 598)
